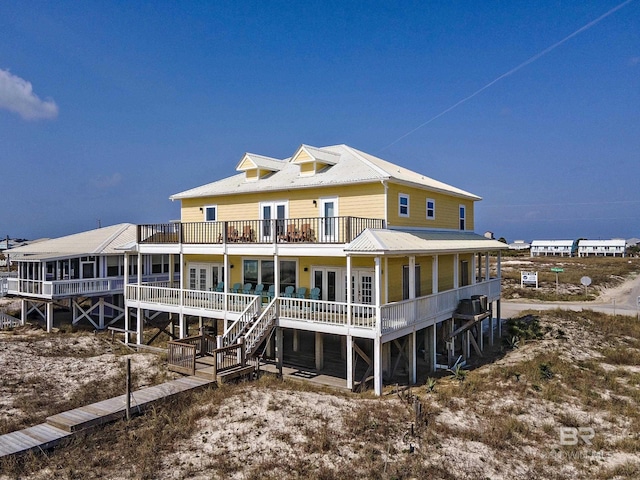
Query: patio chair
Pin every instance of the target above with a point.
(314, 293)
(301, 292)
(232, 234)
(219, 287)
(247, 234)
(247, 288)
(259, 289)
(288, 292)
(237, 288)
(271, 292)
(306, 234)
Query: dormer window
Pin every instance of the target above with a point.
(313, 160)
(256, 167)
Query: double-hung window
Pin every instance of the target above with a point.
(431, 209)
(403, 205)
(463, 225)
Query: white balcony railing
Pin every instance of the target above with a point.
(71, 288)
(393, 316)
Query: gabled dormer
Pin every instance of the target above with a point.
(313, 160)
(256, 167)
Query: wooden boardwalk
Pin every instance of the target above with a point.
(62, 425)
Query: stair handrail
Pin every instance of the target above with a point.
(248, 315)
(260, 326)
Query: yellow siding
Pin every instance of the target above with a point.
(466, 258)
(357, 201)
(307, 168)
(395, 266)
(446, 208)
(252, 174)
(246, 164)
(302, 157)
(445, 272)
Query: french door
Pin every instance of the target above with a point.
(268, 212)
(205, 276)
(362, 287)
(329, 222)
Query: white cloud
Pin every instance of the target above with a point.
(16, 95)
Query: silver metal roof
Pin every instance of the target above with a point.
(403, 242)
(351, 167)
(101, 241)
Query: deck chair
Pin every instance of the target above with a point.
(259, 289)
(288, 291)
(237, 288)
(247, 234)
(220, 287)
(314, 294)
(247, 288)
(306, 234)
(301, 292)
(271, 292)
(232, 234)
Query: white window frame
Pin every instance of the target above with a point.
(206, 209)
(462, 214)
(426, 204)
(400, 205)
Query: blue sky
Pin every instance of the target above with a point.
(107, 108)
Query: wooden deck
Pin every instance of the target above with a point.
(62, 425)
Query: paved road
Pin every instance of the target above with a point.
(620, 301)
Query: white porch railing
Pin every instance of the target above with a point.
(249, 315)
(393, 316)
(69, 288)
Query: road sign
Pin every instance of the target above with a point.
(557, 270)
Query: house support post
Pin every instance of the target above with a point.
(491, 326)
(412, 346)
(319, 350)
(377, 366)
(498, 319)
(350, 353)
(296, 340)
(430, 347)
(24, 307)
(279, 350)
(182, 325)
(139, 326)
(49, 316)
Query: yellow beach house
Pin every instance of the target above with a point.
(333, 260)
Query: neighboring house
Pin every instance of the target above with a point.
(615, 247)
(519, 245)
(358, 263)
(562, 248)
(84, 272)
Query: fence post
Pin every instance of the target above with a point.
(128, 388)
(242, 353)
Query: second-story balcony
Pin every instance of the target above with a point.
(324, 230)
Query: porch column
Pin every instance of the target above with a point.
(319, 350)
(412, 277)
(487, 273)
(276, 274)
(499, 265)
(474, 278)
(139, 269)
(434, 274)
(456, 270)
(126, 309)
(101, 313)
(227, 279)
(412, 346)
(377, 342)
(172, 269)
(49, 316)
(349, 290)
(349, 362)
